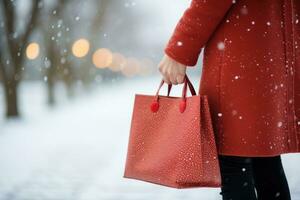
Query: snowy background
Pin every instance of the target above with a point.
(71, 144)
(77, 150)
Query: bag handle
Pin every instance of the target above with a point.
(191, 87)
(186, 79)
(155, 105)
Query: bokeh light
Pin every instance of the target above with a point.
(131, 67)
(32, 50)
(102, 58)
(118, 61)
(81, 48)
(147, 67)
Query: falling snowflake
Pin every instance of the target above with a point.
(234, 112)
(269, 23)
(47, 62)
(179, 43)
(221, 45)
(127, 4)
(279, 124)
(244, 11)
(63, 60)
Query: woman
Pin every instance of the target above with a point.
(251, 74)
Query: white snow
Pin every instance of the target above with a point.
(77, 150)
(179, 43)
(221, 45)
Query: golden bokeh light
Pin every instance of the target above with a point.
(147, 67)
(81, 48)
(102, 58)
(32, 50)
(131, 68)
(118, 61)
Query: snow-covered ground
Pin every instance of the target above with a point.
(77, 150)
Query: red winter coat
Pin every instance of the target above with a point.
(251, 71)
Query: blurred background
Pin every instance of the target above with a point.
(69, 70)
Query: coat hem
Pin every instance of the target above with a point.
(257, 155)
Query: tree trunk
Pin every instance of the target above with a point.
(51, 79)
(51, 96)
(11, 98)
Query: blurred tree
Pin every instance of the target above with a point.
(88, 72)
(11, 61)
(57, 64)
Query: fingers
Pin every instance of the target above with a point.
(164, 74)
(180, 78)
(172, 71)
(166, 80)
(173, 79)
(168, 77)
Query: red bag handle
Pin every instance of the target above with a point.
(191, 87)
(155, 105)
(186, 80)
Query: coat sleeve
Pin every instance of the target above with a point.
(194, 28)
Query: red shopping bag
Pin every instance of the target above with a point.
(171, 141)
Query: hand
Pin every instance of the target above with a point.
(172, 71)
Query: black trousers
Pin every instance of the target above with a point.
(253, 178)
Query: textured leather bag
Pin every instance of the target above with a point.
(171, 140)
